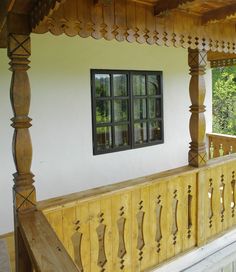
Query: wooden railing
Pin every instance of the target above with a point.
(221, 144)
(136, 225)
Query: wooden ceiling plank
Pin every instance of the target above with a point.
(219, 14)
(166, 5)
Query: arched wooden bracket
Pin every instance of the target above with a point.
(121, 250)
(158, 223)
(210, 197)
(175, 217)
(101, 229)
(222, 198)
(140, 241)
(76, 241)
(190, 198)
(233, 194)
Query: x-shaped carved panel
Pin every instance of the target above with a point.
(19, 45)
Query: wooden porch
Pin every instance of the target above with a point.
(138, 224)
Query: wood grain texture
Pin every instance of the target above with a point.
(135, 22)
(197, 125)
(46, 251)
(228, 143)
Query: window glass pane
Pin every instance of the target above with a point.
(104, 139)
(153, 85)
(102, 85)
(120, 85)
(154, 107)
(121, 110)
(103, 111)
(140, 111)
(155, 130)
(140, 133)
(139, 85)
(121, 135)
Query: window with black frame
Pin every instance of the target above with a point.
(127, 109)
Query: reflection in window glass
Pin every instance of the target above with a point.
(155, 130)
(139, 85)
(103, 111)
(140, 133)
(121, 135)
(121, 110)
(154, 107)
(102, 85)
(120, 85)
(153, 85)
(140, 111)
(104, 138)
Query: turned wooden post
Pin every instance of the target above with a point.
(24, 195)
(197, 60)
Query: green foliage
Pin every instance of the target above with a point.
(224, 100)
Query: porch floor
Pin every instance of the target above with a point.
(217, 256)
(7, 253)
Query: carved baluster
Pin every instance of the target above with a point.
(231, 150)
(76, 241)
(158, 220)
(210, 197)
(140, 241)
(121, 229)
(233, 194)
(190, 198)
(101, 229)
(23, 190)
(212, 150)
(197, 63)
(221, 150)
(175, 216)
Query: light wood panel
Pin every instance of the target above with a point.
(124, 224)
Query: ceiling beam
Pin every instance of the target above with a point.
(219, 14)
(166, 5)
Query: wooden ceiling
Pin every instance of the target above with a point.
(208, 24)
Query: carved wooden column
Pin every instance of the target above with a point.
(23, 190)
(197, 62)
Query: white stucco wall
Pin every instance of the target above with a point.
(63, 161)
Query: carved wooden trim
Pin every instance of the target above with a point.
(210, 205)
(233, 194)
(101, 230)
(219, 14)
(158, 224)
(140, 240)
(197, 62)
(43, 9)
(121, 229)
(190, 198)
(135, 22)
(23, 190)
(167, 5)
(222, 198)
(76, 241)
(222, 63)
(175, 217)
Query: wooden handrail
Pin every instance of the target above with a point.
(45, 249)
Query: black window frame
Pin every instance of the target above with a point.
(131, 121)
